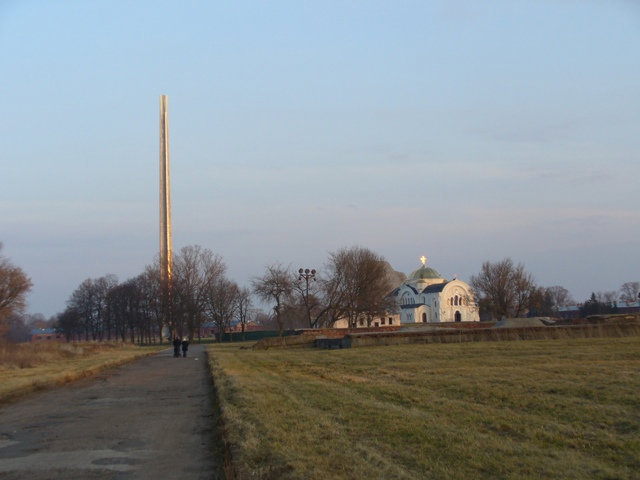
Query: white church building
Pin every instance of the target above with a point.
(427, 297)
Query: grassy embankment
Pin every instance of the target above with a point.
(27, 367)
(562, 409)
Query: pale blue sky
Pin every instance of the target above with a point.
(461, 130)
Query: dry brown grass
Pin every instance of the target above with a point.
(562, 409)
(32, 366)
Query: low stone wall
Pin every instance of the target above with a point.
(497, 334)
(306, 338)
(341, 332)
(293, 341)
(601, 326)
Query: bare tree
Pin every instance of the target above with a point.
(540, 302)
(37, 320)
(14, 286)
(523, 289)
(262, 318)
(70, 323)
(221, 302)
(630, 292)
(560, 297)
(276, 286)
(195, 270)
(316, 297)
(118, 310)
(360, 283)
(149, 284)
(504, 288)
(19, 330)
(243, 307)
(89, 300)
(127, 311)
(609, 298)
(294, 315)
(103, 286)
(330, 307)
(135, 308)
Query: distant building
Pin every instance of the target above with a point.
(209, 329)
(628, 307)
(570, 312)
(427, 297)
(46, 334)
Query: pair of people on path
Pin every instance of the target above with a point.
(177, 344)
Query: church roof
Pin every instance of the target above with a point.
(43, 331)
(438, 287)
(423, 273)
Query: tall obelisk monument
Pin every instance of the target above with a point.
(165, 212)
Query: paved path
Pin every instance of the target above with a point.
(152, 418)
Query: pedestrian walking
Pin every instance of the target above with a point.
(176, 347)
(185, 346)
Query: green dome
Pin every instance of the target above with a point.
(424, 273)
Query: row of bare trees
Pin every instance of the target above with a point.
(103, 309)
(202, 293)
(354, 284)
(505, 289)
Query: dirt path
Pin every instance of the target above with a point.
(152, 418)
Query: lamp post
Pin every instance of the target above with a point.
(306, 275)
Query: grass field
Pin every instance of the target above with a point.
(561, 409)
(32, 366)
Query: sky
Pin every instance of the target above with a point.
(460, 130)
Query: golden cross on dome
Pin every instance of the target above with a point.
(423, 259)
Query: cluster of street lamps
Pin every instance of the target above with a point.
(306, 275)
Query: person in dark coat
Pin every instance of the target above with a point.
(176, 347)
(185, 346)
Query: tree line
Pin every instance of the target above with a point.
(505, 289)
(354, 284)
